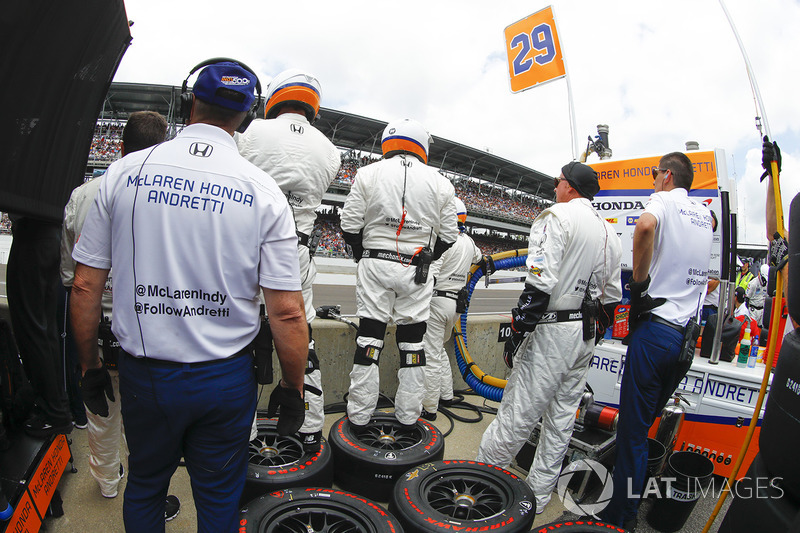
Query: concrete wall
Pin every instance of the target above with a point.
(336, 344)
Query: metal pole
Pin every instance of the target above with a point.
(572, 124)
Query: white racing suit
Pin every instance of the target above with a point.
(569, 246)
(395, 207)
(105, 434)
(303, 162)
(756, 291)
(450, 274)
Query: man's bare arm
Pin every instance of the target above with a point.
(643, 244)
(85, 313)
(287, 320)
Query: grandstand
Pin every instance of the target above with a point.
(502, 197)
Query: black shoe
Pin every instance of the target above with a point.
(311, 441)
(79, 420)
(630, 525)
(38, 426)
(428, 416)
(448, 403)
(171, 508)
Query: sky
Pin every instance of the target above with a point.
(657, 73)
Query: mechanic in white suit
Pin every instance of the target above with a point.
(399, 216)
(573, 260)
(303, 162)
(450, 276)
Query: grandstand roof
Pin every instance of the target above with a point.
(352, 132)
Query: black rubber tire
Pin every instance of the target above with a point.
(579, 526)
(759, 504)
(370, 460)
(279, 462)
(308, 510)
(780, 427)
(451, 495)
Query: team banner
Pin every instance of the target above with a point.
(534, 53)
(626, 185)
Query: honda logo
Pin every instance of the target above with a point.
(201, 149)
(296, 128)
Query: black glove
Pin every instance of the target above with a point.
(605, 319)
(353, 240)
(769, 153)
(531, 306)
(778, 251)
(95, 386)
(487, 265)
(511, 347)
(641, 302)
(293, 409)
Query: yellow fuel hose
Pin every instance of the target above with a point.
(774, 322)
(482, 376)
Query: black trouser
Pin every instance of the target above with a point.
(33, 283)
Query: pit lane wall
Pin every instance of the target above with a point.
(335, 345)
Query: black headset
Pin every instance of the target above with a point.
(187, 98)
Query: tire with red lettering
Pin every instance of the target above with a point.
(780, 427)
(369, 460)
(305, 510)
(278, 462)
(579, 526)
(448, 495)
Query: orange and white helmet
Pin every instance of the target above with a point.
(294, 87)
(461, 211)
(406, 136)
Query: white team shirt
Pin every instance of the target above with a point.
(570, 247)
(301, 160)
(681, 254)
(80, 202)
(193, 230)
(375, 205)
(450, 271)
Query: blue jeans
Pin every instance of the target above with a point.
(202, 413)
(651, 374)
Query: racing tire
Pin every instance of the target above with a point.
(468, 495)
(760, 504)
(277, 462)
(308, 510)
(780, 426)
(579, 526)
(369, 460)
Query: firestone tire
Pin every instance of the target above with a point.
(309, 510)
(277, 462)
(462, 495)
(369, 460)
(579, 526)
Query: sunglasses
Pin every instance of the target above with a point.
(656, 170)
(556, 181)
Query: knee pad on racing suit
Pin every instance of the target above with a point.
(410, 344)
(369, 341)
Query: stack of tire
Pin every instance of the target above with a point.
(767, 499)
(289, 490)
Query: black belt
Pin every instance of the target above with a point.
(757, 306)
(453, 295)
(390, 255)
(658, 320)
(163, 363)
(302, 239)
(569, 315)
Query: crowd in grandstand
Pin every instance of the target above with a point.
(5, 223)
(331, 243)
(106, 141)
(480, 198)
